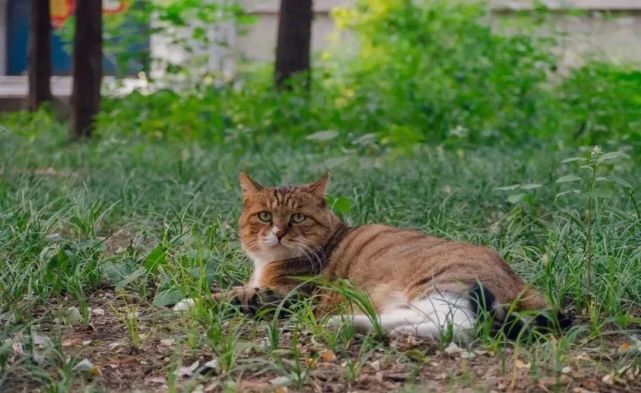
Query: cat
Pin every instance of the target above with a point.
(418, 284)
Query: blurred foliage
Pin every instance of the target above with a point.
(184, 24)
(602, 104)
(418, 71)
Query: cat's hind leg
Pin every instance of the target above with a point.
(436, 313)
(428, 317)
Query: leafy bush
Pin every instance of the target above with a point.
(418, 71)
(434, 70)
(602, 104)
(165, 113)
(181, 23)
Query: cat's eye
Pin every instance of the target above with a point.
(265, 216)
(298, 218)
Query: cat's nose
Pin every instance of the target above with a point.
(279, 232)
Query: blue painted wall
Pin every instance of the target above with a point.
(18, 23)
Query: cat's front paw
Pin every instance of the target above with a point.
(253, 300)
(245, 295)
(246, 298)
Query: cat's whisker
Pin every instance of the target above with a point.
(317, 252)
(309, 254)
(311, 246)
(311, 243)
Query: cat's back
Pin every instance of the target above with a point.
(381, 249)
(412, 261)
(377, 241)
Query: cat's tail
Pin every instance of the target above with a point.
(514, 326)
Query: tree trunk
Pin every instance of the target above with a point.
(39, 55)
(87, 67)
(294, 38)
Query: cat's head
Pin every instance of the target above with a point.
(284, 222)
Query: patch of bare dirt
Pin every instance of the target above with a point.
(119, 366)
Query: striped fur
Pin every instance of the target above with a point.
(419, 284)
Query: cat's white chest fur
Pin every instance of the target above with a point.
(259, 269)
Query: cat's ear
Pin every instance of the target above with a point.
(319, 188)
(248, 185)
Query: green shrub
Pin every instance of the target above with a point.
(602, 104)
(436, 68)
(423, 71)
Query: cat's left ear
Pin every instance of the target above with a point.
(248, 185)
(319, 188)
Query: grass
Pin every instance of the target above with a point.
(128, 225)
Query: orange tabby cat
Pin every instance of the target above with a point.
(419, 284)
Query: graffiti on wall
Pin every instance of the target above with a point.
(61, 10)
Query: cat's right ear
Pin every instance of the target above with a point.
(248, 185)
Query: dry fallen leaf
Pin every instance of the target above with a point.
(608, 378)
(213, 364)
(53, 237)
(279, 380)
(71, 316)
(84, 365)
(40, 340)
(42, 348)
(581, 390)
(552, 381)
(468, 355)
(187, 371)
(167, 342)
(518, 363)
(70, 342)
(625, 347)
(87, 367)
(583, 356)
(328, 356)
(116, 344)
(452, 349)
(17, 348)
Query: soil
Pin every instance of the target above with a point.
(409, 364)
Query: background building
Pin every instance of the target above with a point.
(610, 29)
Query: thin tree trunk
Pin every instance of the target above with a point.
(39, 55)
(294, 39)
(87, 67)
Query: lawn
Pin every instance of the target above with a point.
(99, 239)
